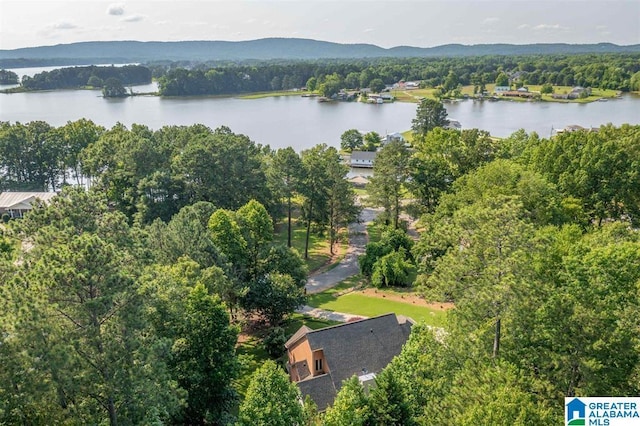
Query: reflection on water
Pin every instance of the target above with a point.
(303, 122)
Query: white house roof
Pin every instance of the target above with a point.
(396, 135)
(23, 200)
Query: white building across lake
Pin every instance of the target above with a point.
(16, 204)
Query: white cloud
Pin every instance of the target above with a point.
(115, 9)
(55, 29)
(524, 26)
(63, 26)
(490, 20)
(368, 30)
(545, 27)
(601, 27)
(133, 18)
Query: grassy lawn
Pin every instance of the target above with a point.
(296, 321)
(359, 304)
(408, 135)
(318, 299)
(413, 95)
(319, 254)
(374, 231)
(362, 192)
(252, 355)
(468, 90)
(261, 95)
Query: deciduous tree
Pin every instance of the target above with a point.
(272, 400)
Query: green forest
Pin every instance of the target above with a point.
(614, 71)
(123, 303)
(607, 71)
(89, 76)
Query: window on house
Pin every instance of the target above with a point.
(318, 364)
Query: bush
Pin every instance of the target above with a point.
(373, 252)
(392, 269)
(6, 218)
(274, 342)
(397, 239)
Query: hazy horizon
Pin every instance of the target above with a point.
(391, 23)
(299, 38)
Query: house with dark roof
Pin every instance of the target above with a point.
(320, 360)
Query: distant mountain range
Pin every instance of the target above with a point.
(268, 49)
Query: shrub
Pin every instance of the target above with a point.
(392, 269)
(274, 342)
(373, 252)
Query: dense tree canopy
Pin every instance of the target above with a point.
(607, 71)
(74, 77)
(120, 304)
(271, 399)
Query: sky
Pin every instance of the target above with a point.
(421, 23)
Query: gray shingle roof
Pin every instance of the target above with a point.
(320, 389)
(363, 155)
(358, 347)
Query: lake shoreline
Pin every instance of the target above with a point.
(280, 93)
(300, 122)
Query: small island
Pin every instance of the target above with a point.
(111, 79)
(8, 77)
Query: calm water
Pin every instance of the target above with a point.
(303, 122)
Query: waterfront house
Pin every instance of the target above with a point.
(320, 360)
(16, 204)
(579, 92)
(453, 124)
(362, 159)
(396, 136)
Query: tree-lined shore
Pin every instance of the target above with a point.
(122, 303)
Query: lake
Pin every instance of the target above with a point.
(304, 122)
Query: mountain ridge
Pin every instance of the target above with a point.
(281, 48)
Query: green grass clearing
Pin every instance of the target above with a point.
(318, 299)
(275, 94)
(375, 232)
(296, 321)
(319, 254)
(414, 95)
(251, 355)
(359, 304)
(361, 192)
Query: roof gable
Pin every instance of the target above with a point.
(23, 200)
(355, 348)
(302, 332)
